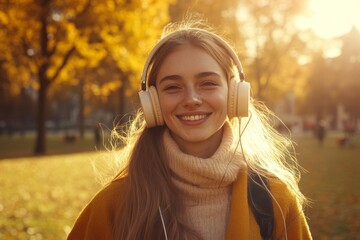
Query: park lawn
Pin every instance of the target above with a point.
(23, 145)
(332, 183)
(41, 197)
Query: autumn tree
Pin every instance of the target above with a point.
(41, 38)
(125, 32)
(320, 92)
(273, 45)
(16, 74)
(265, 34)
(347, 67)
(334, 82)
(222, 15)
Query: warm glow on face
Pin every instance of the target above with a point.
(332, 18)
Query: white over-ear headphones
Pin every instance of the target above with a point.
(239, 91)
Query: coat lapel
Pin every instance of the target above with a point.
(239, 225)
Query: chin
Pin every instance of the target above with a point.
(198, 136)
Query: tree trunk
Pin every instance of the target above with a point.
(40, 147)
(81, 109)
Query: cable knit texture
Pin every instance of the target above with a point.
(206, 183)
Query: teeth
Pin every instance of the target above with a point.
(193, 117)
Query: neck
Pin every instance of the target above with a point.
(203, 149)
(220, 169)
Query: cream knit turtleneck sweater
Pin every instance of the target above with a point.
(206, 183)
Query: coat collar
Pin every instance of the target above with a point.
(239, 220)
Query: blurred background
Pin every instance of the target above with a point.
(70, 71)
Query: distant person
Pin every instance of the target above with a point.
(320, 132)
(347, 138)
(201, 158)
(350, 127)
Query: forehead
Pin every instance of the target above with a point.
(188, 58)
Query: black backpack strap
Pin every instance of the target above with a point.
(261, 204)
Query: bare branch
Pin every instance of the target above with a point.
(63, 64)
(85, 9)
(53, 50)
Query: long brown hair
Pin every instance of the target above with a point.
(149, 191)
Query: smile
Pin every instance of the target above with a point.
(193, 117)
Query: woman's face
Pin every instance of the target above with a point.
(193, 95)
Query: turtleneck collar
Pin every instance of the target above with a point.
(219, 170)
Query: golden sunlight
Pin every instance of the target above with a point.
(332, 18)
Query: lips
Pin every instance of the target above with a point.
(193, 117)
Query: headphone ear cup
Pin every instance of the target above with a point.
(145, 101)
(156, 106)
(149, 101)
(232, 95)
(238, 98)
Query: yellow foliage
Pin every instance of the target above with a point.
(3, 18)
(122, 31)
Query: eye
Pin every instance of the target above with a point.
(209, 83)
(171, 88)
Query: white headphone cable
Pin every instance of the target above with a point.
(163, 223)
(237, 145)
(277, 203)
(267, 189)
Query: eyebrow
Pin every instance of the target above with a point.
(170, 77)
(199, 75)
(207, 74)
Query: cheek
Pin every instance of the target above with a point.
(220, 101)
(167, 104)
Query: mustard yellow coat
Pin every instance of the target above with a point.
(95, 221)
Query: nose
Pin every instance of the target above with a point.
(192, 97)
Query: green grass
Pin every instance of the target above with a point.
(332, 183)
(23, 145)
(40, 197)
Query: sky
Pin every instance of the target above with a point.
(332, 18)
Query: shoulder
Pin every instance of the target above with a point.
(281, 190)
(110, 193)
(288, 210)
(107, 199)
(281, 193)
(285, 197)
(288, 214)
(96, 219)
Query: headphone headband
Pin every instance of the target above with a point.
(238, 91)
(179, 32)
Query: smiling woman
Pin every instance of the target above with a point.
(190, 163)
(196, 93)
